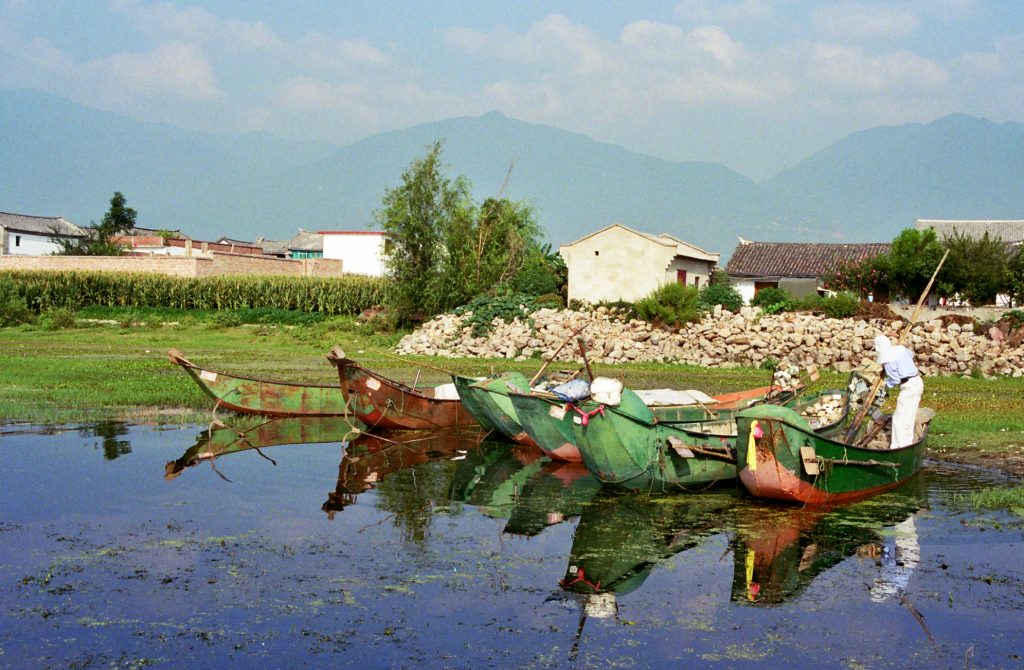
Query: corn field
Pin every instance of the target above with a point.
(331, 296)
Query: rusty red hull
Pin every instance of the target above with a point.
(380, 402)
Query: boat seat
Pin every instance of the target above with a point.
(672, 397)
(445, 392)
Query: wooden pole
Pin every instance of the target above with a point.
(555, 355)
(583, 352)
(902, 338)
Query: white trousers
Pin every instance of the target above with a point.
(906, 411)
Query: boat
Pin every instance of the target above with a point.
(384, 403)
(251, 433)
(548, 420)
(249, 395)
(780, 457)
(472, 402)
(559, 492)
(490, 403)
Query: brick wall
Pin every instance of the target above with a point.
(180, 266)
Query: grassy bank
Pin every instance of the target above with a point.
(117, 371)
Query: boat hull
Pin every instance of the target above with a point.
(247, 395)
(826, 471)
(549, 424)
(493, 398)
(384, 403)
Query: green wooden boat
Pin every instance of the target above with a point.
(629, 446)
(549, 421)
(473, 402)
(779, 456)
(491, 396)
(249, 395)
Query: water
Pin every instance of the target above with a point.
(127, 547)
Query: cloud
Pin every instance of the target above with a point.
(850, 70)
(176, 70)
(859, 21)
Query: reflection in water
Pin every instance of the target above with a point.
(110, 433)
(248, 432)
(778, 550)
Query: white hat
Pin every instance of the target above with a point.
(886, 352)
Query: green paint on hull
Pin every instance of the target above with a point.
(546, 421)
(772, 467)
(496, 405)
(474, 400)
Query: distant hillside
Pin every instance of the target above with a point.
(62, 158)
(873, 183)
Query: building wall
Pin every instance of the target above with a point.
(27, 244)
(616, 264)
(361, 253)
(178, 266)
(698, 272)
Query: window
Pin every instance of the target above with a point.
(696, 282)
(596, 252)
(17, 240)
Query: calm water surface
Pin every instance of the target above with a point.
(129, 547)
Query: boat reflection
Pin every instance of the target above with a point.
(779, 550)
(621, 537)
(415, 472)
(249, 432)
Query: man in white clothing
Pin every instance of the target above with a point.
(898, 365)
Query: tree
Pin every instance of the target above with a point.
(417, 215)
(98, 240)
(1015, 275)
(976, 269)
(912, 258)
(446, 250)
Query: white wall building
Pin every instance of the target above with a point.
(25, 235)
(360, 252)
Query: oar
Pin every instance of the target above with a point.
(902, 338)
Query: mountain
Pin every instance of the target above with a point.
(65, 159)
(874, 183)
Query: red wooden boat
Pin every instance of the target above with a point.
(380, 402)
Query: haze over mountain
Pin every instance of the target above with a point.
(62, 158)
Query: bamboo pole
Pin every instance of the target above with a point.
(554, 355)
(859, 419)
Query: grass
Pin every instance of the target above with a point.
(116, 372)
(1011, 499)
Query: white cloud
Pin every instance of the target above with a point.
(176, 70)
(851, 71)
(864, 21)
(705, 11)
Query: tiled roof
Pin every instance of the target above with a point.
(40, 225)
(273, 247)
(306, 241)
(1006, 230)
(796, 259)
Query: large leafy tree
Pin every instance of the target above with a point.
(977, 268)
(1015, 275)
(417, 215)
(98, 240)
(444, 249)
(911, 261)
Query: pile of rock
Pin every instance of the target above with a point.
(722, 339)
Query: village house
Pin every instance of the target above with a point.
(619, 263)
(26, 235)
(799, 268)
(360, 251)
(306, 244)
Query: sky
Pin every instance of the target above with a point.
(756, 85)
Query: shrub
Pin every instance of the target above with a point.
(621, 309)
(772, 300)
(841, 305)
(721, 294)
(671, 304)
(57, 318)
(1015, 318)
(483, 310)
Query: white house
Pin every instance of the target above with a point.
(360, 251)
(619, 263)
(25, 235)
